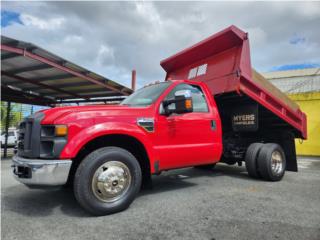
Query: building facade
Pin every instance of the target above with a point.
(303, 86)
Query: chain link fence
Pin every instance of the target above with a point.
(11, 115)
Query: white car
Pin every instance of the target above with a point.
(12, 138)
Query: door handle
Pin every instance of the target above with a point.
(213, 125)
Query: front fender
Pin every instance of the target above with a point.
(86, 135)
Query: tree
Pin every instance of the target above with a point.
(15, 117)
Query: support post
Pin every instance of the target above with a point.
(7, 130)
(133, 80)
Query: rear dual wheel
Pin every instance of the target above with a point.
(265, 161)
(251, 159)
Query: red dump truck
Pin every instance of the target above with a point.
(213, 107)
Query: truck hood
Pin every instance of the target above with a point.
(59, 115)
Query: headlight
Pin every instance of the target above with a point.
(54, 131)
(53, 140)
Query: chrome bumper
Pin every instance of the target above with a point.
(40, 173)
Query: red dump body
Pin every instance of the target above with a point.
(222, 61)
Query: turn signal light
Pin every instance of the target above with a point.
(61, 130)
(188, 103)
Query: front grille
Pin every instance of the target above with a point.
(25, 134)
(29, 136)
(22, 129)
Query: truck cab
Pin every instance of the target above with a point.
(193, 135)
(209, 109)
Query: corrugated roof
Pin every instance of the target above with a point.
(296, 81)
(31, 74)
(292, 73)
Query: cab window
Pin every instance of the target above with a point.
(147, 95)
(198, 98)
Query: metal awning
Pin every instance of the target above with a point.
(32, 75)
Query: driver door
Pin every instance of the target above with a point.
(186, 139)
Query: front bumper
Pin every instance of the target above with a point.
(41, 173)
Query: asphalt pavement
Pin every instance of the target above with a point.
(189, 203)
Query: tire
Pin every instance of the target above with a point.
(101, 174)
(206, 167)
(271, 162)
(251, 159)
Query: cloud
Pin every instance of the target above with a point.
(105, 55)
(112, 38)
(42, 24)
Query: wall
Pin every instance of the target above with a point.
(310, 104)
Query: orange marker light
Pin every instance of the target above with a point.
(61, 130)
(188, 103)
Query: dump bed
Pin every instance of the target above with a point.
(222, 61)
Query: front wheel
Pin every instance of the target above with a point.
(107, 180)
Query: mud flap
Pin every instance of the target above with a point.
(288, 145)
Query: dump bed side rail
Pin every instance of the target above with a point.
(297, 119)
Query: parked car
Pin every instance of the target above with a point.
(12, 138)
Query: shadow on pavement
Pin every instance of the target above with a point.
(42, 203)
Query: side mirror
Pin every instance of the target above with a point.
(182, 101)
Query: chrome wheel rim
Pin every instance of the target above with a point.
(276, 163)
(111, 181)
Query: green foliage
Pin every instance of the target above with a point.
(15, 117)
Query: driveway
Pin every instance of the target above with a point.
(189, 203)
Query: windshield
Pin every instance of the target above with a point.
(146, 96)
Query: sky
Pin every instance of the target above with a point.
(112, 38)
